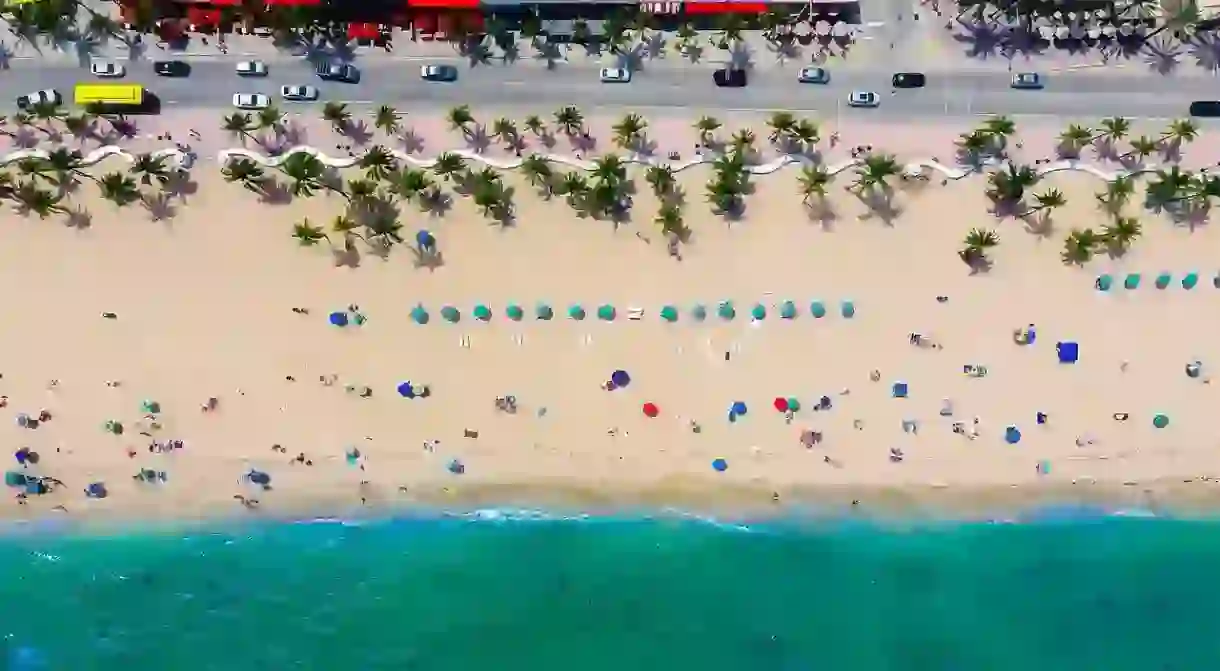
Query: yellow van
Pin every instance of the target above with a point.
(110, 95)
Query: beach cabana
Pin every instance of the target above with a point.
(669, 313)
(787, 310)
(1162, 280)
(482, 312)
(1132, 281)
(699, 312)
(817, 309)
(726, 310)
(1103, 283)
(607, 313)
(847, 309)
(576, 312)
(451, 314)
(419, 315)
(1190, 281)
(758, 312)
(543, 312)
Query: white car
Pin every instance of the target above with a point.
(299, 93)
(615, 75)
(252, 69)
(1027, 80)
(50, 96)
(251, 101)
(814, 76)
(107, 69)
(863, 99)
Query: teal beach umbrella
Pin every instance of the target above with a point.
(1190, 280)
(1103, 283)
(1162, 280)
(514, 312)
(576, 312)
(847, 309)
(787, 310)
(669, 313)
(482, 312)
(758, 312)
(726, 310)
(543, 312)
(607, 313)
(451, 314)
(699, 312)
(419, 315)
(817, 309)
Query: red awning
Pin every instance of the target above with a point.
(363, 31)
(203, 17)
(724, 7)
(285, 3)
(225, 3)
(444, 4)
(425, 22)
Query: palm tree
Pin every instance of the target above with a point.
(79, 125)
(707, 127)
(506, 130)
(449, 166)
(408, 183)
(337, 116)
(570, 120)
(46, 112)
(119, 189)
(874, 171)
(239, 125)
(307, 234)
(974, 145)
(976, 247)
(1121, 233)
(305, 174)
(574, 186)
(387, 119)
(1113, 130)
(781, 124)
(1118, 192)
(1050, 200)
(535, 125)
(1073, 139)
(538, 172)
(1171, 186)
(1141, 147)
(32, 200)
(661, 178)
(270, 117)
(731, 28)
(743, 141)
(805, 134)
(1180, 131)
(249, 174)
(814, 179)
(66, 164)
(383, 227)
(149, 167)
(1009, 185)
(378, 163)
(1079, 247)
(669, 218)
(999, 129)
(461, 119)
(609, 168)
(629, 131)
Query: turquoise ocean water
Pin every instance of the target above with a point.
(487, 592)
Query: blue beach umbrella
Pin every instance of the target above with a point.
(620, 378)
(96, 490)
(698, 313)
(338, 318)
(1012, 435)
(720, 465)
(406, 390)
(847, 309)
(419, 315)
(451, 314)
(817, 309)
(424, 240)
(259, 477)
(738, 408)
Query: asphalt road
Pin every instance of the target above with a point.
(1085, 94)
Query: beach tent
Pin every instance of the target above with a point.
(787, 310)
(514, 312)
(726, 310)
(699, 312)
(847, 309)
(1162, 280)
(482, 312)
(338, 319)
(607, 313)
(576, 312)
(1190, 281)
(543, 312)
(1103, 282)
(817, 309)
(758, 312)
(451, 314)
(669, 313)
(419, 315)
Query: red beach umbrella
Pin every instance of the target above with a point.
(780, 403)
(651, 410)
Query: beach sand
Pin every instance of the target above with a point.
(204, 306)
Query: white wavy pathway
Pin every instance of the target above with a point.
(187, 160)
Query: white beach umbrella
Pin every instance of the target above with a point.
(1062, 32)
(1094, 32)
(821, 27)
(1109, 31)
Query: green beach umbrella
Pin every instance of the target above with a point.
(794, 403)
(482, 312)
(1132, 281)
(576, 312)
(669, 313)
(1190, 280)
(787, 310)
(699, 312)
(419, 315)
(1163, 280)
(817, 309)
(1103, 283)
(543, 312)
(607, 313)
(451, 314)
(847, 309)
(150, 407)
(726, 310)
(113, 426)
(514, 312)
(758, 312)
(1160, 421)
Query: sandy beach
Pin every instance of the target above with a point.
(203, 306)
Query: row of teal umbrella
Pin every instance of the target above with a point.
(1132, 281)
(725, 311)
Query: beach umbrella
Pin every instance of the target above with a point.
(543, 312)
(96, 490)
(1160, 421)
(406, 390)
(1190, 280)
(699, 312)
(726, 310)
(419, 315)
(451, 314)
(1103, 283)
(620, 378)
(150, 407)
(607, 313)
(720, 465)
(787, 310)
(738, 408)
(482, 312)
(259, 477)
(514, 312)
(424, 239)
(817, 309)
(22, 455)
(112, 426)
(669, 313)
(794, 403)
(758, 312)
(456, 467)
(780, 403)
(338, 319)
(1162, 280)
(1012, 435)
(651, 410)
(847, 309)
(576, 312)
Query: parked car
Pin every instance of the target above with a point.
(107, 69)
(814, 76)
(338, 72)
(50, 96)
(252, 69)
(299, 93)
(863, 99)
(615, 75)
(438, 73)
(729, 78)
(909, 80)
(1205, 108)
(172, 68)
(251, 101)
(1027, 80)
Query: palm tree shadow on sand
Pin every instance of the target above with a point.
(347, 256)
(429, 259)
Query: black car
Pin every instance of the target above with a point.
(1205, 108)
(909, 80)
(729, 78)
(338, 72)
(172, 68)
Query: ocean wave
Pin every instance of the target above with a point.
(914, 167)
(175, 157)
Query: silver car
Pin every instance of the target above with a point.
(813, 75)
(299, 93)
(252, 69)
(107, 69)
(615, 75)
(251, 101)
(1027, 80)
(863, 99)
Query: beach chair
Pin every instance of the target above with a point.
(635, 314)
